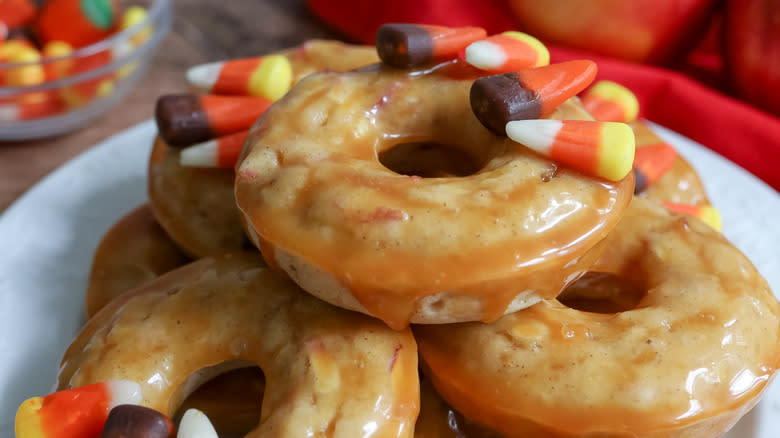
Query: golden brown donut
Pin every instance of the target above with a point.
(328, 371)
(689, 360)
(195, 205)
(321, 206)
(680, 184)
(133, 251)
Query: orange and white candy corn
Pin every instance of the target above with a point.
(221, 152)
(611, 102)
(706, 213)
(195, 424)
(410, 45)
(505, 52)
(651, 162)
(602, 149)
(77, 412)
(532, 93)
(266, 76)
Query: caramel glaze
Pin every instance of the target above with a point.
(680, 184)
(688, 361)
(329, 372)
(310, 183)
(196, 205)
(135, 250)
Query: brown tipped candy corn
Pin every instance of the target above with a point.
(185, 119)
(77, 412)
(602, 149)
(410, 45)
(506, 52)
(221, 152)
(706, 213)
(611, 102)
(528, 94)
(269, 77)
(132, 421)
(651, 162)
(195, 424)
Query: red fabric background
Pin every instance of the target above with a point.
(734, 129)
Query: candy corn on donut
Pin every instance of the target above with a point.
(672, 178)
(687, 361)
(320, 204)
(195, 205)
(133, 251)
(193, 323)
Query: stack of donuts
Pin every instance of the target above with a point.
(435, 237)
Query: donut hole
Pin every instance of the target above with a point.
(602, 292)
(232, 401)
(429, 159)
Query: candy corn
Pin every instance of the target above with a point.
(603, 149)
(411, 45)
(651, 162)
(506, 52)
(57, 69)
(185, 119)
(125, 421)
(195, 424)
(83, 93)
(706, 213)
(527, 94)
(222, 152)
(611, 102)
(24, 75)
(267, 76)
(77, 412)
(31, 107)
(77, 22)
(15, 13)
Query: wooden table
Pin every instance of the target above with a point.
(203, 30)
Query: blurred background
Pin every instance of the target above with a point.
(725, 53)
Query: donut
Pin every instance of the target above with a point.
(318, 202)
(327, 370)
(680, 184)
(688, 360)
(133, 251)
(195, 205)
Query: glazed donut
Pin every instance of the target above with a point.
(322, 207)
(133, 251)
(195, 205)
(328, 371)
(680, 184)
(688, 361)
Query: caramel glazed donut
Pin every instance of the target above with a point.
(195, 205)
(329, 372)
(321, 206)
(688, 360)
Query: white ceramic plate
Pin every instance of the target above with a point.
(48, 236)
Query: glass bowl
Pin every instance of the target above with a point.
(94, 78)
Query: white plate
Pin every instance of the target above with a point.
(48, 236)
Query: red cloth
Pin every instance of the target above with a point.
(734, 129)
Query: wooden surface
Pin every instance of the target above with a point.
(203, 30)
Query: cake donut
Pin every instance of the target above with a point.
(195, 205)
(328, 371)
(318, 202)
(133, 251)
(688, 360)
